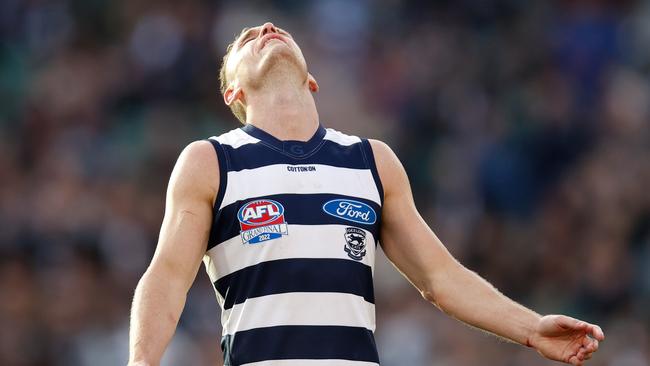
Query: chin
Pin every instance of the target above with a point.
(281, 59)
(278, 52)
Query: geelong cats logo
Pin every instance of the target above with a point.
(355, 243)
(262, 220)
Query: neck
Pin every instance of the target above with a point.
(283, 107)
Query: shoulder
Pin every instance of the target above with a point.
(380, 148)
(385, 158)
(197, 155)
(196, 170)
(390, 169)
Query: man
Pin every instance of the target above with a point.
(286, 216)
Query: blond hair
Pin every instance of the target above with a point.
(236, 107)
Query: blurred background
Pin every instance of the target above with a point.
(524, 127)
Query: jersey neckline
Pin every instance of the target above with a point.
(290, 147)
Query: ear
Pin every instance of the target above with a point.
(313, 85)
(232, 94)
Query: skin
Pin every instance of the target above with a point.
(271, 81)
(160, 295)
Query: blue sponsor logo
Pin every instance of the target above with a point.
(350, 210)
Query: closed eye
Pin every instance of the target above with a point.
(249, 36)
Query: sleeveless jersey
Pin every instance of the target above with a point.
(292, 248)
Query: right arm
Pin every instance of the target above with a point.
(160, 295)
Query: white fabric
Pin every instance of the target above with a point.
(277, 179)
(235, 138)
(303, 241)
(340, 138)
(326, 241)
(300, 308)
(311, 363)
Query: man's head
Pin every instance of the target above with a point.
(251, 58)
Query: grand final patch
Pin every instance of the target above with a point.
(355, 243)
(261, 220)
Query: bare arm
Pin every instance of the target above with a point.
(160, 295)
(415, 250)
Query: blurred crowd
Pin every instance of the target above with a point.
(524, 127)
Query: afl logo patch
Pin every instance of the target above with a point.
(351, 210)
(261, 220)
(355, 243)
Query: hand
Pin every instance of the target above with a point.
(565, 339)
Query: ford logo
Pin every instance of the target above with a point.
(350, 210)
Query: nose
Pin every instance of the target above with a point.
(268, 27)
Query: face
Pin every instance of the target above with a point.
(258, 50)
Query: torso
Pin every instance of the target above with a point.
(292, 248)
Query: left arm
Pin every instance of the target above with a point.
(415, 250)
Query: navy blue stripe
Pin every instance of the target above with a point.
(300, 209)
(292, 148)
(370, 157)
(251, 156)
(300, 342)
(297, 275)
(223, 176)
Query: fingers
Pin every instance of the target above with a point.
(583, 356)
(588, 337)
(585, 352)
(580, 358)
(590, 344)
(575, 361)
(570, 323)
(595, 331)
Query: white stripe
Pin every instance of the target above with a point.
(276, 179)
(303, 241)
(341, 138)
(236, 138)
(207, 261)
(300, 308)
(311, 363)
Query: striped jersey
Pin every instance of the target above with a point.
(292, 248)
